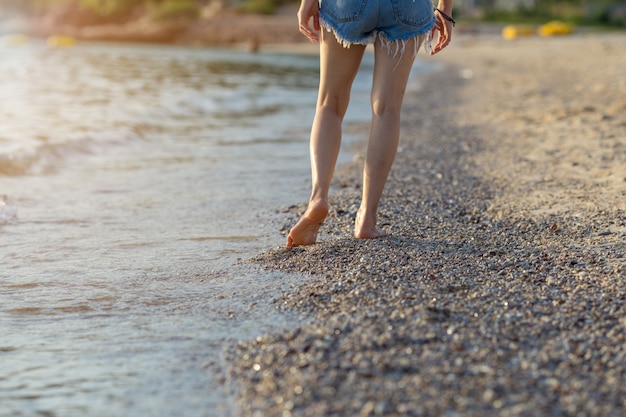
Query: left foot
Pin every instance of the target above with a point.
(366, 230)
(361, 233)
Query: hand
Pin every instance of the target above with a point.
(444, 33)
(309, 9)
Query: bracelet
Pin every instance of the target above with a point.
(445, 16)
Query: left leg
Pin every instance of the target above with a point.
(390, 78)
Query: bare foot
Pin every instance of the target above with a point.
(369, 234)
(305, 231)
(366, 229)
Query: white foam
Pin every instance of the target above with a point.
(8, 214)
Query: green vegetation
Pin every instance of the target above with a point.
(108, 7)
(173, 9)
(579, 12)
(112, 10)
(266, 7)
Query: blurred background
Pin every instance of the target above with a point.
(181, 15)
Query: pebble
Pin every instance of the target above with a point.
(466, 309)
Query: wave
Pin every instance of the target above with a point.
(41, 159)
(8, 213)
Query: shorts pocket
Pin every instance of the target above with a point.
(413, 12)
(344, 10)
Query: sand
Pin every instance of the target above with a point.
(500, 290)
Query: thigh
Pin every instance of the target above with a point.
(338, 67)
(391, 72)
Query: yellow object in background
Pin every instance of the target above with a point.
(14, 39)
(515, 31)
(555, 27)
(61, 41)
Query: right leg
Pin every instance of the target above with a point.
(338, 67)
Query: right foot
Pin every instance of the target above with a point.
(305, 231)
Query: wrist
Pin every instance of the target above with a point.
(446, 7)
(445, 16)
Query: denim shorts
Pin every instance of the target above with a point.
(363, 21)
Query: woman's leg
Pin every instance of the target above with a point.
(338, 67)
(391, 74)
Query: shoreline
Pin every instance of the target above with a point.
(500, 289)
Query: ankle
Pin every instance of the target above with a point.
(317, 209)
(364, 220)
(318, 205)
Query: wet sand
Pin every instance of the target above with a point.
(500, 290)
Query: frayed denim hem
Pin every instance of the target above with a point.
(342, 40)
(394, 47)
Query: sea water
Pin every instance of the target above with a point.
(132, 181)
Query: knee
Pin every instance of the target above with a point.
(385, 107)
(336, 104)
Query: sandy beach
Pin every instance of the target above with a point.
(500, 290)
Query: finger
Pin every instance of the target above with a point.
(444, 38)
(447, 36)
(440, 45)
(310, 34)
(304, 27)
(436, 30)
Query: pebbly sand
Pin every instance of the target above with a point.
(501, 290)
